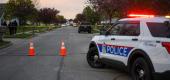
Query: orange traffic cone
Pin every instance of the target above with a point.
(31, 50)
(63, 50)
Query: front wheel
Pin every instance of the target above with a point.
(93, 58)
(140, 70)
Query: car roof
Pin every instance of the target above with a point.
(154, 19)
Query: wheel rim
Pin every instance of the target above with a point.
(94, 59)
(139, 72)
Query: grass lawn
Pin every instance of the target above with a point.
(2, 43)
(35, 28)
(26, 35)
(28, 31)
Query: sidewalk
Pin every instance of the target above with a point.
(15, 43)
(5, 44)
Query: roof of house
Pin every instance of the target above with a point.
(2, 6)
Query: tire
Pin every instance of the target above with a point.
(89, 31)
(93, 58)
(79, 31)
(140, 70)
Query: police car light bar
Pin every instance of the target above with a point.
(167, 16)
(142, 16)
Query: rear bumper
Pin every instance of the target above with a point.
(83, 28)
(162, 76)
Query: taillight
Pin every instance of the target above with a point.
(167, 46)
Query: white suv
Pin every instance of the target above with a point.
(140, 45)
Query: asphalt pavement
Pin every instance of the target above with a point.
(47, 64)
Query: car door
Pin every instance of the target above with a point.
(122, 39)
(108, 41)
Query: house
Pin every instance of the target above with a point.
(2, 6)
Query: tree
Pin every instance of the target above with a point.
(47, 15)
(120, 8)
(79, 17)
(110, 8)
(158, 7)
(70, 20)
(21, 9)
(60, 19)
(162, 7)
(91, 15)
(136, 7)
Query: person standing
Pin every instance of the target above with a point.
(4, 24)
(10, 28)
(14, 27)
(2, 29)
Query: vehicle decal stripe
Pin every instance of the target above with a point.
(114, 49)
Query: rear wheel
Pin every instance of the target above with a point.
(89, 31)
(79, 31)
(93, 58)
(140, 70)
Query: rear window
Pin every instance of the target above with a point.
(159, 29)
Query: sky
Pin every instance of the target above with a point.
(67, 8)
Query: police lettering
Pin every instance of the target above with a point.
(116, 50)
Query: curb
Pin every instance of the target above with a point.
(7, 45)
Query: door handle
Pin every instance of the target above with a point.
(113, 39)
(134, 39)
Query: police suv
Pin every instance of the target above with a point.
(140, 44)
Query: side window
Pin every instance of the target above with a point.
(127, 29)
(115, 30)
(130, 29)
(159, 29)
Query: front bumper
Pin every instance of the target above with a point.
(162, 76)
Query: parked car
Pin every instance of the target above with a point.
(63, 25)
(85, 27)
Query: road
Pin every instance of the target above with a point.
(47, 64)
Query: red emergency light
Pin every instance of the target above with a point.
(141, 15)
(167, 46)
